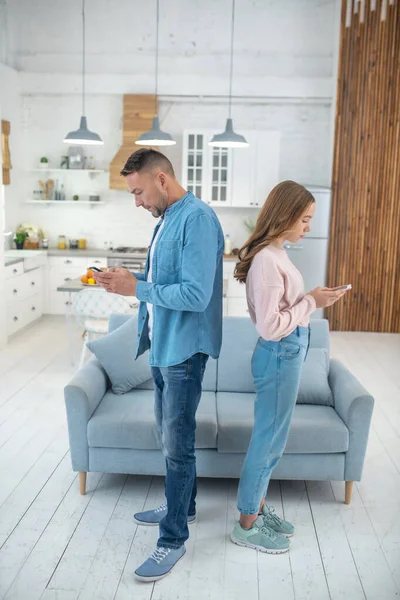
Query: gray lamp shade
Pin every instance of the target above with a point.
(155, 137)
(228, 139)
(83, 136)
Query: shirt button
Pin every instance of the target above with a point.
(142, 318)
(138, 334)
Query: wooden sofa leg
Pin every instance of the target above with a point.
(82, 483)
(348, 491)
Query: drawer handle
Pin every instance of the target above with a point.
(96, 262)
(33, 283)
(15, 291)
(67, 279)
(67, 262)
(67, 303)
(15, 270)
(15, 318)
(33, 307)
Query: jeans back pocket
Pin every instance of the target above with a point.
(289, 350)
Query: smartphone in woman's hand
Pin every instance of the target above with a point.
(342, 287)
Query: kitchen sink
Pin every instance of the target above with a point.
(32, 258)
(23, 253)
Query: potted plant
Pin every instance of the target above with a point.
(20, 237)
(75, 197)
(44, 163)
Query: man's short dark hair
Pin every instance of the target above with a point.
(147, 159)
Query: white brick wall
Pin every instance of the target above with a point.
(284, 54)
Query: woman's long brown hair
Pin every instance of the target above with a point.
(285, 205)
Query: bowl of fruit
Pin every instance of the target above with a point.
(88, 278)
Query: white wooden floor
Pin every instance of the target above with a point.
(58, 545)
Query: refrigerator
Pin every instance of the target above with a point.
(310, 254)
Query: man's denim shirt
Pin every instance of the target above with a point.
(186, 287)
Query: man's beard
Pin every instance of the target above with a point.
(160, 211)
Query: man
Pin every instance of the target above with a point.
(180, 322)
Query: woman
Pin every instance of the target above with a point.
(280, 311)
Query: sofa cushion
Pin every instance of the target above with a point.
(234, 364)
(210, 376)
(314, 386)
(314, 429)
(116, 352)
(239, 338)
(319, 334)
(128, 422)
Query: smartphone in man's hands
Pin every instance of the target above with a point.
(98, 270)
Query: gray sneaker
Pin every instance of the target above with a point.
(153, 517)
(160, 563)
(276, 523)
(260, 537)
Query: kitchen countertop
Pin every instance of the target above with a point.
(12, 261)
(30, 258)
(75, 285)
(89, 252)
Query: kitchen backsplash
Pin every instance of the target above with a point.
(119, 222)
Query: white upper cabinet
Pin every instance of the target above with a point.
(240, 177)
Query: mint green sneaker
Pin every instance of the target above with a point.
(276, 523)
(260, 537)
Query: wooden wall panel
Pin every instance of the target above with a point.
(365, 239)
(139, 110)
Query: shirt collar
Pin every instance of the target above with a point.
(177, 205)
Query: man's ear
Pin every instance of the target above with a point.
(162, 178)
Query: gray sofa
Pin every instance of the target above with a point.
(327, 440)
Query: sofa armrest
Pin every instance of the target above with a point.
(82, 396)
(354, 406)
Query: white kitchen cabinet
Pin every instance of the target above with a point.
(234, 301)
(14, 270)
(61, 270)
(206, 170)
(241, 177)
(255, 170)
(24, 297)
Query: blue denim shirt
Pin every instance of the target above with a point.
(186, 287)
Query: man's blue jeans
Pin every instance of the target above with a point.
(177, 396)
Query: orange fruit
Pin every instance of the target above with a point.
(84, 279)
(89, 273)
(91, 281)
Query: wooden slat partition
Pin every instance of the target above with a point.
(365, 225)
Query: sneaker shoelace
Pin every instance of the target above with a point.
(270, 533)
(271, 516)
(161, 508)
(159, 554)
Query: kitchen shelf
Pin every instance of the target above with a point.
(47, 170)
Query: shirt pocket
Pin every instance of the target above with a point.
(169, 256)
